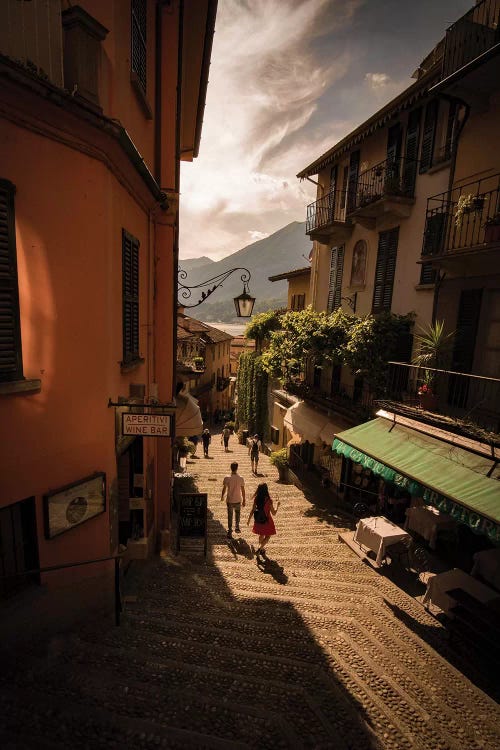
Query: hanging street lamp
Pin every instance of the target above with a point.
(243, 303)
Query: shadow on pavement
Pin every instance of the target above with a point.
(481, 669)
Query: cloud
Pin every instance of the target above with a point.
(266, 79)
(377, 80)
(255, 236)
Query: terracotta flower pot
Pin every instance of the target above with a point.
(429, 401)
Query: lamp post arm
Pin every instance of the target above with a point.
(185, 291)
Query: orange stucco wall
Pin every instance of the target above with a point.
(68, 234)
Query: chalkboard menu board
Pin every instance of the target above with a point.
(192, 516)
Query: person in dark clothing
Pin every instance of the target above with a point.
(206, 439)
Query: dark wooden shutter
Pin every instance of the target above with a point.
(130, 280)
(427, 274)
(385, 270)
(352, 180)
(11, 366)
(336, 272)
(411, 152)
(138, 41)
(429, 135)
(394, 136)
(467, 326)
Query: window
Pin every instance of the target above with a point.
(18, 546)
(336, 270)
(429, 135)
(130, 294)
(427, 274)
(384, 272)
(11, 364)
(298, 302)
(138, 41)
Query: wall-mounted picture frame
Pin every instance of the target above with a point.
(358, 267)
(74, 504)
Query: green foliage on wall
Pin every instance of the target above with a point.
(252, 382)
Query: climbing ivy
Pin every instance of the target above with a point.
(252, 382)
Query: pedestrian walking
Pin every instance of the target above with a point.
(263, 511)
(224, 438)
(233, 487)
(206, 439)
(253, 451)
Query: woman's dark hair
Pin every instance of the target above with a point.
(261, 495)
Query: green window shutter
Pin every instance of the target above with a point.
(411, 152)
(385, 270)
(336, 271)
(429, 135)
(130, 295)
(11, 365)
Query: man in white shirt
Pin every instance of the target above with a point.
(233, 486)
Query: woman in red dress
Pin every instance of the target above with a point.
(263, 510)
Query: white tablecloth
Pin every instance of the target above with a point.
(427, 522)
(487, 565)
(377, 533)
(440, 584)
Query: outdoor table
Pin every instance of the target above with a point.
(487, 566)
(427, 522)
(377, 533)
(441, 584)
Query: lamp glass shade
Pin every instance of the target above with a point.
(244, 305)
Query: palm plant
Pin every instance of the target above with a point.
(434, 348)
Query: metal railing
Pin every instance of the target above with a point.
(53, 568)
(472, 35)
(326, 210)
(391, 177)
(467, 217)
(472, 398)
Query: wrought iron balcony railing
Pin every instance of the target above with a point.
(389, 178)
(476, 32)
(467, 217)
(463, 401)
(326, 211)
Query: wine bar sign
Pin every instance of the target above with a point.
(147, 425)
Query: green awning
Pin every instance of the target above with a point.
(451, 478)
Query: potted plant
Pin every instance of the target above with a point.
(279, 459)
(199, 363)
(492, 229)
(434, 347)
(466, 204)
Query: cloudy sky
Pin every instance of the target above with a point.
(288, 79)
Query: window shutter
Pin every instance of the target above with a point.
(467, 324)
(138, 41)
(394, 142)
(352, 180)
(430, 122)
(427, 274)
(130, 266)
(411, 152)
(336, 271)
(385, 270)
(11, 367)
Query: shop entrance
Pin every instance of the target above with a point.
(18, 547)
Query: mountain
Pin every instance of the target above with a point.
(189, 263)
(282, 251)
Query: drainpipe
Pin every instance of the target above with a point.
(177, 188)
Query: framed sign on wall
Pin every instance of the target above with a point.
(74, 504)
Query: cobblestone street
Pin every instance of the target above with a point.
(312, 649)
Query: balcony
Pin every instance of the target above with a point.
(471, 41)
(385, 189)
(463, 403)
(326, 218)
(464, 225)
